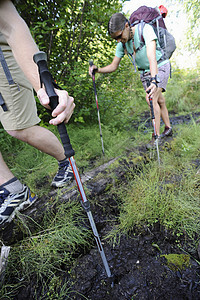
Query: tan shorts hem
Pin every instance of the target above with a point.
(22, 111)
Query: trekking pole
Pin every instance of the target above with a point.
(95, 92)
(40, 59)
(153, 122)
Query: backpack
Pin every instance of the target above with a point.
(153, 17)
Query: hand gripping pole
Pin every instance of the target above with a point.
(46, 78)
(98, 114)
(154, 123)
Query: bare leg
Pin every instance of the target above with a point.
(156, 109)
(5, 173)
(42, 139)
(160, 109)
(164, 111)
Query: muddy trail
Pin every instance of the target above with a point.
(145, 266)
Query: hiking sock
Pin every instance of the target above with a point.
(13, 185)
(63, 162)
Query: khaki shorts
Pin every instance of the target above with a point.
(18, 97)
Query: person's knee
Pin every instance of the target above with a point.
(161, 100)
(18, 134)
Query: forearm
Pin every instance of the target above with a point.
(108, 69)
(112, 67)
(20, 40)
(151, 54)
(153, 67)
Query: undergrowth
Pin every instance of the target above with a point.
(49, 251)
(168, 194)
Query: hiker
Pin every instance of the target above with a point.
(18, 113)
(147, 60)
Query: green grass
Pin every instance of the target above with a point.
(37, 169)
(168, 194)
(49, 251)
(183, 93)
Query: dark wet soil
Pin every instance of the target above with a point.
(136, 263)
(140, 272)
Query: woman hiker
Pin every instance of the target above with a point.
(148, 62)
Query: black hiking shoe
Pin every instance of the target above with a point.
(10, 203)
(167, 132)
(64, 175)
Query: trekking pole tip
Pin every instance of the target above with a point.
(112, 279)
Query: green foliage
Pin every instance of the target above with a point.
(177, 262)
(87, 143)
(183, 93)
(71, 33)
(37, 169)
(192, 8)
(168, 194)
(120, 94)
(50, 251)
(187, 143)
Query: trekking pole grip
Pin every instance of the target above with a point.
(46, 78)
(91, 64)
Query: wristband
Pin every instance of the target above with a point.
(154, 83)
(156, 78)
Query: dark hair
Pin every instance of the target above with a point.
(117, 22)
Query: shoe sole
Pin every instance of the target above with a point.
(61, 184)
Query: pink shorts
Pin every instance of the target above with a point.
(163, 74)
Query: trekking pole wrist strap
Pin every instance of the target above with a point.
(156, 78)
(96, 70)
(154, 83)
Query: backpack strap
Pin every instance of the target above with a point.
(8, 76)
(130, 56)
(141, 27)
(140, 32)
(157, 26)
(2, 103)
(5, 68)
(132, 59)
